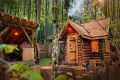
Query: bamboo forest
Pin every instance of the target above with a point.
(59, 40)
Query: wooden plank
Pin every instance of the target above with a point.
(28, 54)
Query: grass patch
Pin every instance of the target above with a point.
(45, 61)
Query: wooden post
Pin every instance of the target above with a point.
(38, 13)
(3, 31)
(26, 34)
(34, 45)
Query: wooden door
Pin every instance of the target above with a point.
(71, 46)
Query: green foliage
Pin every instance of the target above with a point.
(30, 75)
(62, 77)
(23, 72)
(112, 9)
(8, 48)
(86, 16)
(114, 27)
(19, 68)
(92, 11)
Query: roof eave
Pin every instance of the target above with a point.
(95, 37)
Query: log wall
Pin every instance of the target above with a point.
(78, 51)
(81, 52)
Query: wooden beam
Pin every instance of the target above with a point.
(15, 25)
(34, 45)
(26, 34)
(3, 31)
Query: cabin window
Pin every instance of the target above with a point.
(95, 46)
(104, 46)
(101, 46)
(107, 46)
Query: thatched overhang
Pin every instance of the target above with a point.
(15, 30)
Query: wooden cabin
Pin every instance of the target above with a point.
(14, 30)
(85, 44)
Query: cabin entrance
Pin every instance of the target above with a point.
(71, 49)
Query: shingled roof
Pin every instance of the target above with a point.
(91, 30)
(8, 20)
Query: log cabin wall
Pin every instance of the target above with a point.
(81, 52)
(85, 54)
(87, 48)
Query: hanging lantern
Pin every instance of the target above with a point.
(16, 33)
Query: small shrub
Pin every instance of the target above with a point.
(62, 77)
(23, 72)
